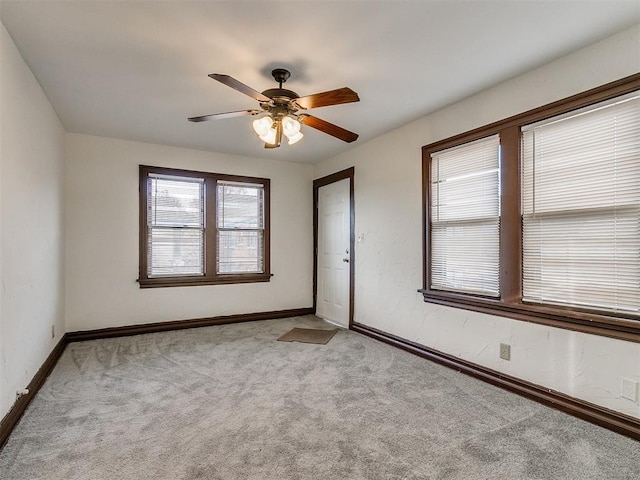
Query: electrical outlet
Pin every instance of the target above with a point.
(629, 389)
(53, 331)
(22, 393)
(505, 351)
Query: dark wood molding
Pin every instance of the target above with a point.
(604, 417)
(334, 177)
(195, 281)
(426, 218)
(128, 330)
(510, 220)
(619, 325)
(321, 182)
(559, 317)
(12, 417)
(583, 99)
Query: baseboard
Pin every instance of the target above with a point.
(12, 417)
(181, 324)
(610, 419)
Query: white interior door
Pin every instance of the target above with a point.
(334, 230)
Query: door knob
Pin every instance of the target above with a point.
(345, 260)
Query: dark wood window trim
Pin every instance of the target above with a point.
(210, 277)
(621, 326)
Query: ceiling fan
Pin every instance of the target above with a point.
(282, 108)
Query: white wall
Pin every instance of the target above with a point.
(389, 262)
(102, 237)
(31, 224)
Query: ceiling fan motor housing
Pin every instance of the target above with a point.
(281, 99)
(281, 103)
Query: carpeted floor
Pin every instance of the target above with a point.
(231, 402)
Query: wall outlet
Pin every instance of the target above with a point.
(505, 351)
(629, 389)
(22, 393)
(53, 331)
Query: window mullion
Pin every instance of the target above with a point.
(211, 227)
(510, 220)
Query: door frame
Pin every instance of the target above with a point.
(321, 182)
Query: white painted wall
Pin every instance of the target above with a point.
(389, 262)
(31, 224)
(102, 237)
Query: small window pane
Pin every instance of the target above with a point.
(240, 251)
(175, 202)
(175, 251)
(240, 205)
(465, 257)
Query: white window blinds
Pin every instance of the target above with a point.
(175, 222)
(465, 218)
(581, 207)
(240, 227)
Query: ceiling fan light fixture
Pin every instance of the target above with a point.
(263, 125)
(295, 138)
(290, 126)
(269, 137)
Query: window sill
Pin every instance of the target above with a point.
(620, 327)
(195, 281)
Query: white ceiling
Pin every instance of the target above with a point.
(137, 69)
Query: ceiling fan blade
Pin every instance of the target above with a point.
(329, 128)
(220, 116)
(239, 86)
(324, 99)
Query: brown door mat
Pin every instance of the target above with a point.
(308, 335)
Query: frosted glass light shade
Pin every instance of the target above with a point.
(290, 127)
(269, 137)
(295, 138)
(262, 125)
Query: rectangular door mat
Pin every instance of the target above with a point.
(308, 335)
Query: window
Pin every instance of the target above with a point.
(581, 207)
(201, 228)
(465, 217)
(562, 192)
(240, 227)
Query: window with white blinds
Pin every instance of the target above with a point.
(240, 227)
(545, 226)
(581, 207)
(199, 228)
(176, 226)
(465, 218)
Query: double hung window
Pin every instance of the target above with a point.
(202, 228)
(465, 217)
(581, 207)
(537, 217)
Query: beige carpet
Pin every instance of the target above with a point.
(230, 402)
